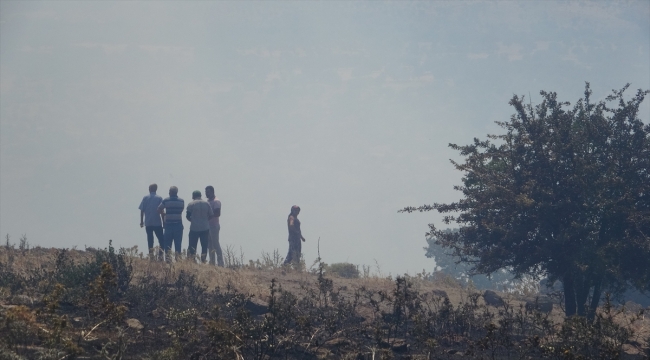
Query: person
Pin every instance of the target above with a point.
(295, 236)
(171, 209)
(213, 246)
(198, 213)
(150, 220)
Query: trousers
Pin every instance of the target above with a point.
(295, 248)
(214, 247)
(173, 234)
(158, 230)
(194, 237)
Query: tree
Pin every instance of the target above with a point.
(563, 193)
(448, 264)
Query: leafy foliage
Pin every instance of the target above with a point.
(563, 193)
(462, 271)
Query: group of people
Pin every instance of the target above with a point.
(163, 217)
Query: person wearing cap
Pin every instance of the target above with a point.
(213, 246)
(295, 236)
(150, 220)
(198, 213)
(171, 210)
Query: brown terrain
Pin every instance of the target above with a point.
(127, 324)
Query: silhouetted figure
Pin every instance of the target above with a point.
(198, 213)
(171, 210)
(295, 236)
(150, 219)
(213, 246)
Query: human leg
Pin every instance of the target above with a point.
(149, 231)
(158, 230)
(193, 239)
(217, 248)
(169, 238)
(293, 249)
(178, 239)
(214, 247)
(204, 237)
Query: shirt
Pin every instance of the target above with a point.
(297, 234)
(173, 206)
(214, 204)
(199, 211)
(149, 205)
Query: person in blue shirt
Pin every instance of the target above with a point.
(151, 221)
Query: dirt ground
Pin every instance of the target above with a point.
(255, 281)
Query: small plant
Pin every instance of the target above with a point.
(23, 246)
(344, 270)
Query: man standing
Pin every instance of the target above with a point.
(295, 236)
(150, 220)
(198, 213)
(213, 246)
(171, 210)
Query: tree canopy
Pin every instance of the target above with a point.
(563, 193)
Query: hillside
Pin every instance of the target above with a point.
(116, 304)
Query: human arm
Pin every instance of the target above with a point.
(210, 211)
(141, 218)
(161, 211)
(216, 209)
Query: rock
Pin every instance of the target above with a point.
(337, 342)
(541, 303)
(440, 293)
(399, 346)
(22, 300)
(134, 324)
(256, 306)
(157, 313)
(492, 298)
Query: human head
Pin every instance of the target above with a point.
(196, 194)
(173, 191)
(153, 187)
(209, 191)
(295, 210)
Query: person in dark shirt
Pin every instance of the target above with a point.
(171, 209)
(295, 237)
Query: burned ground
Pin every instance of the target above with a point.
(114, 304)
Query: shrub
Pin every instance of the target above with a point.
(344, 270)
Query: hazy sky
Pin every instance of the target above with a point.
(343, 108)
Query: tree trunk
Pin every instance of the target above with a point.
(569, 295)
(595, 300)
(582, 286)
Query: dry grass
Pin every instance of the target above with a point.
(254, 279)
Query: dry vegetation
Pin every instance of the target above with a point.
(108, 304)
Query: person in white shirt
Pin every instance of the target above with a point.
(213, 245)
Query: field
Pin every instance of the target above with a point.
(117, 304)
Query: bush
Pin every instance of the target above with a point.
(344, 270)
